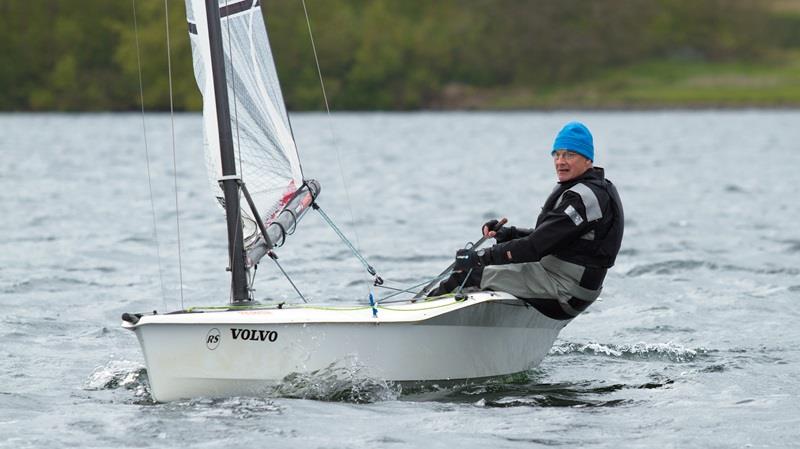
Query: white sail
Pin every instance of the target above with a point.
(266, 154)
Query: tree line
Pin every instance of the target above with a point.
(374, 54)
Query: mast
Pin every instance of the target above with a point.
(230, 181)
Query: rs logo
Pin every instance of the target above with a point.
(212, 339)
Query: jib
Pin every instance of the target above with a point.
(253, 334)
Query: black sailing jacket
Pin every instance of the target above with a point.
(581, 222)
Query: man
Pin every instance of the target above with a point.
(566, 256)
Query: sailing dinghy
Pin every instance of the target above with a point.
(243, 347)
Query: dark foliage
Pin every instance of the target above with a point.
(375, 54)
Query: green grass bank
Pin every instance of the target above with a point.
(651, 84)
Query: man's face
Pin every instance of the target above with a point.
(569, 165)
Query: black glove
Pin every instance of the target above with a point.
(490, 225)
(503, 234)
(469, 259)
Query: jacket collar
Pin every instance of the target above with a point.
(594, 173)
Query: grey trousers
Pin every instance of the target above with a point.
(550, 278)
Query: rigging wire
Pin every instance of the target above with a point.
(398, 291)
(147, 157)
(356, 252)
(330, 128)
(174, 156)
(274, 257)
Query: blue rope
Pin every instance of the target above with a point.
(372, 304)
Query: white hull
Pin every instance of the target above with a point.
(239, 352)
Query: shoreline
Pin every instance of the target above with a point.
(603, 108)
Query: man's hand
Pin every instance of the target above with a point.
(501, 233)
(488, 228)
(468, 259)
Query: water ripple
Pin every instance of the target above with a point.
(662, 329)
(408, 258)
(680, 265)
(52, 285)
(528, 390)
(731, 188)
(239, 407)
(794, 245)
(551, 400)
(639, 351)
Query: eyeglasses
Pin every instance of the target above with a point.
(567, 155)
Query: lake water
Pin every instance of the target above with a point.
(694, 343)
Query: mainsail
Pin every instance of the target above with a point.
(266, 153)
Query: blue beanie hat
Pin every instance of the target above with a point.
(575, 136)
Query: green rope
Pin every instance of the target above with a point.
(425, 306)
